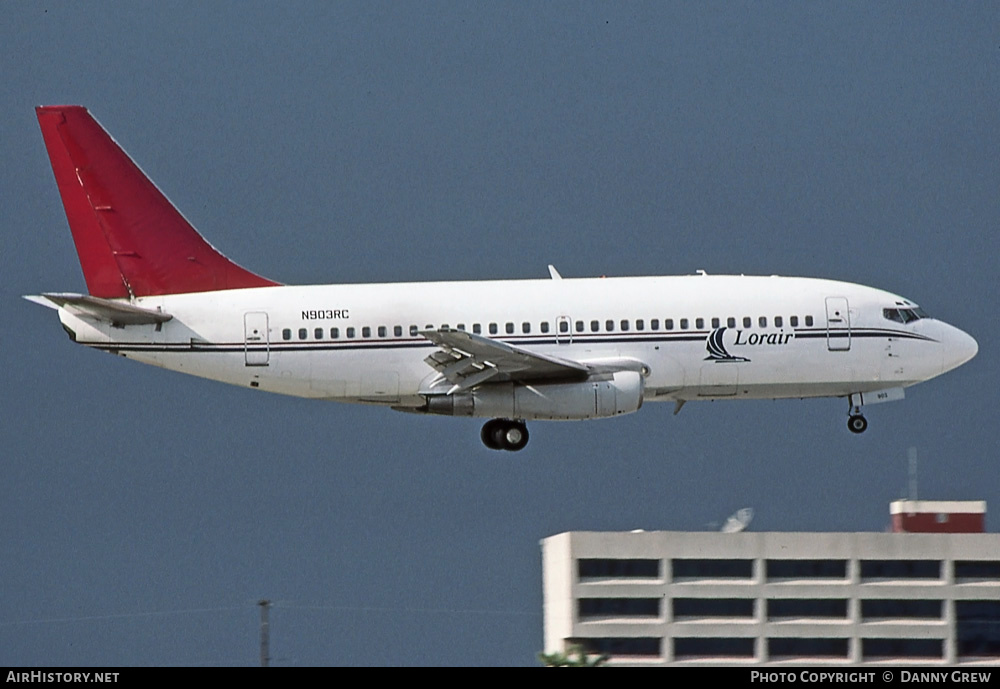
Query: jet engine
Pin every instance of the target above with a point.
(600, 396)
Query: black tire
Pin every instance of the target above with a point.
(857, 423)
(492, 433)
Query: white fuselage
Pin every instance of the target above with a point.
(782, 337)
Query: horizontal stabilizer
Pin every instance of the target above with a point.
(115, 312)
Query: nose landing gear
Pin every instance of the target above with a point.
(504, 434)
(856, 422)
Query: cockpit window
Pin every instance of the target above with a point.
(904, 315)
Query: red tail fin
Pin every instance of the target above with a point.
(130, 238)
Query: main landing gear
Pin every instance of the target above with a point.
(856, 422)
(505, 434)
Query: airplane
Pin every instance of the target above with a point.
(509, 351)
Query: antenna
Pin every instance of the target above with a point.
(738, 521)
(911, 453)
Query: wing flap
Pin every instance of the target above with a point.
(466, 360)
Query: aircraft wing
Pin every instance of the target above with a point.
(466, 360)
(117, 313)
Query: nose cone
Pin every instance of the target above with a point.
(959, 347)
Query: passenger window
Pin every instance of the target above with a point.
(526, 327)
(493, 329)
(778, 321)
(303, 333)
(564, 326)
(609, 325)
(382, 331)
(731, 322)
(414, 330)
(350, 333)
(595, 326)
(286, 334)
(640, 324)
(793, 321)
(654, 324)
(747, 323)
(809, 320)
(397, 330)
(334, 333)
(624, 325)
(444, 326)
(544, 326)
(477, 328)
(579, 326)
(668, 323)
(699, 323)
(460, 326)
(715, 322)
(510, 328)
(684, 324)
(318, 333)
(762, 321)
(366, 331)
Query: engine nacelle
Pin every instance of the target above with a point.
(600, 396)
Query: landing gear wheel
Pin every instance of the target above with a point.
(504, 434)
(491, 434)
(857, 423)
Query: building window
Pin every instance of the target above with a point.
(696, 608)
(792, 647)
(806, 608)
(883, 609)
(608, 568)
(977, 570)
(589, 608)
(710, 647)
(779, 570)
(645, 646)
(977, 628)
(712, 569)
(900, 569)
(901, 648)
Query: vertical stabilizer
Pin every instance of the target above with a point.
(130, 238)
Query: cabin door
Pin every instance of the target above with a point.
(256, 344)
(838, 324)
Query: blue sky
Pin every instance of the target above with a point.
(146, 512)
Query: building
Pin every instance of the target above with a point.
(676, 598)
